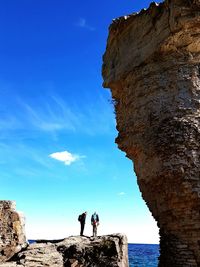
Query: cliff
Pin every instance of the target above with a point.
(152, 66)
(75, 251)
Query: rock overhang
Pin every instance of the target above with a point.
(161, 29)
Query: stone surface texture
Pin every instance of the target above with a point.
(12, 231)
(152, 66)
(76, 251)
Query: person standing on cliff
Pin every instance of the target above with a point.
(82, 219)
(95, 223)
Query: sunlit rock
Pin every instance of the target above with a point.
(12, 232)
(75, 251)
(152, 66)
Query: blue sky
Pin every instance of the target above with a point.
(57, 125)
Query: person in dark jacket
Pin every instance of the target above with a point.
(82, 219)
(95, 223)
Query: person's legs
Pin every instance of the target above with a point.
(94, 230)
(82, 228)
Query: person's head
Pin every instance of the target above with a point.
(85, 212)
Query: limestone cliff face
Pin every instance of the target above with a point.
(12, 233)
(152, 66)
(104, 251)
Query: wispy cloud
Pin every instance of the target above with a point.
(55, 115)
(48, 119)
(52, 114)
(83, 24)
(9, 122)
(66, 157)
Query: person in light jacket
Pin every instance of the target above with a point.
(95, 223)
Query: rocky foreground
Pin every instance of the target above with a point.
(75, 251)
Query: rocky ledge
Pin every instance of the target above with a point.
(75, 251)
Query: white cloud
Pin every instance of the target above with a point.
(121, 193)
(65, 157)
(83, 24)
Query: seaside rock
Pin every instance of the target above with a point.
(12, 233)
(75, 251)
(152, 66)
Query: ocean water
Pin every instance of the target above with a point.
(143, 255)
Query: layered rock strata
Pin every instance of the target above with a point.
(105, 251)
(152, 66)
(12, 232)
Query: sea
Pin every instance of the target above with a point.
(140, 255)
(143, 255)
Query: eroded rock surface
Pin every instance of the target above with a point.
(12, 232)
(152, 66)
(104, 251)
